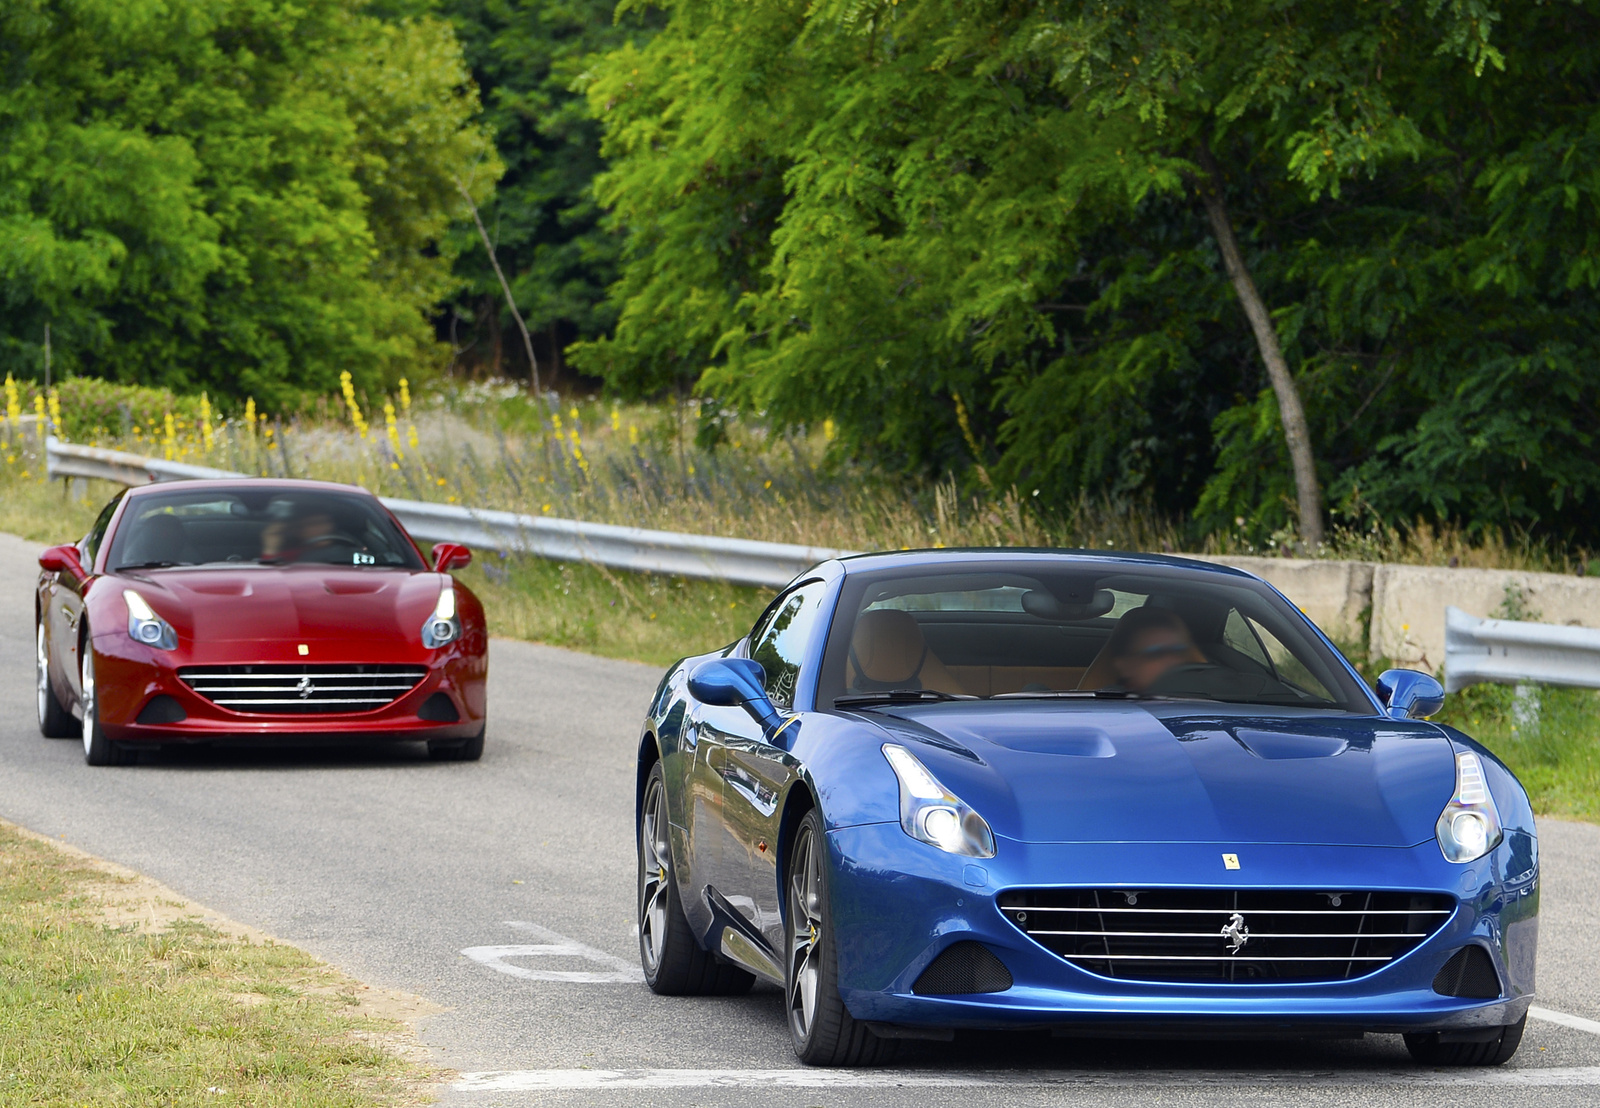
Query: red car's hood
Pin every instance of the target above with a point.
(302, 603)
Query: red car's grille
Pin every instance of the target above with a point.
(1240, 936)
(302, 689)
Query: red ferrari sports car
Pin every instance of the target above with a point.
(270, 610)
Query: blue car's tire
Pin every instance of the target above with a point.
(1427, 1049)
(673, 961)
(822, 1029)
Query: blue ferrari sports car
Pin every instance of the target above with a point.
(1083, 793)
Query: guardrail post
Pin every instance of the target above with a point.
(1525, 707)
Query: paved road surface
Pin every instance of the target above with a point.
(390, 867)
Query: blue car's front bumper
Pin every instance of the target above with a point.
(897, 904)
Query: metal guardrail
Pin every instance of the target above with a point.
(66, 459)
(1513, 652)
(741, 561)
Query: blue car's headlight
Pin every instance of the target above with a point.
(144, 626)
(931, 813)
(1469, 826)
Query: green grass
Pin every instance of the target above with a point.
(1557, 758)
(96, 1015)
(637, 617)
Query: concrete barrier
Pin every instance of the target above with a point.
(1408, 604)
(1336, 595)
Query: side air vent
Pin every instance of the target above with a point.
(964, 968)
(438, 708)
(162, 709)
(1469, 974)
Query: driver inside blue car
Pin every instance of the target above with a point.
(1145, 644)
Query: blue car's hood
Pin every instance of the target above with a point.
(1183, 772)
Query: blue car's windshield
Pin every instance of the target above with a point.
(1059, 627)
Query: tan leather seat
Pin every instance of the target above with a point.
(887, 651)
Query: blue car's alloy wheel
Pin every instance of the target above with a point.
(823, 1030)
(674, 963)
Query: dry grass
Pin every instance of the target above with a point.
(488, 445)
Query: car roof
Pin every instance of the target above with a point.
(230, 483)
(956, 556)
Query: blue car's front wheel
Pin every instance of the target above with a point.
(823, 1030)
(1492, 1049)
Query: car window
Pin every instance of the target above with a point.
(1289, 668)
(261, 524)
(1237, 634)
(1071, 626)
(780, 638)
(91, 542)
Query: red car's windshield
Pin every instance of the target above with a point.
(257, 525)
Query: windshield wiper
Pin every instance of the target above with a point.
(1067, 694)
(149, 565)
(897, 696)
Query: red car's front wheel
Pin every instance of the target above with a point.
(97, 749)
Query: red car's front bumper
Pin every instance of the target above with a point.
(130, 676)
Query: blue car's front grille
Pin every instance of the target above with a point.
(1239, 936)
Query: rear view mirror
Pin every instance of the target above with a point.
(62, 559)
(735, 682)
(1409, 694)
(450, 555)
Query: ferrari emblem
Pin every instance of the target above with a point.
(1235, 933)
(1230, 861)
(305, 688)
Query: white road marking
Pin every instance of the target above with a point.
(1550, 1015)
(554, 945)
(540, 1080)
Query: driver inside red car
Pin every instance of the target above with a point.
(295, 540)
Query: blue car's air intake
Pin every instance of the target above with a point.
(962, 969)
(1470, 974)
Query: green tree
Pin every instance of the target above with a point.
(243, 195)
(547, 228)
(982, 234)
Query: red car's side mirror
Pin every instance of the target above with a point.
(450, 555)
(62, 559)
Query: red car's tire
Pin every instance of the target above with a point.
(97, 749)
(458, 750)
(55, 722)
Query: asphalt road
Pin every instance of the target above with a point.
(390, 867)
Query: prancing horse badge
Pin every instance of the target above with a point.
(1230, 861)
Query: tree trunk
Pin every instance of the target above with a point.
(505, 287)
(492, 313)
(1307, 492)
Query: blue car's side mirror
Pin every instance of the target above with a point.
(736, 682)
(1409, 694)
